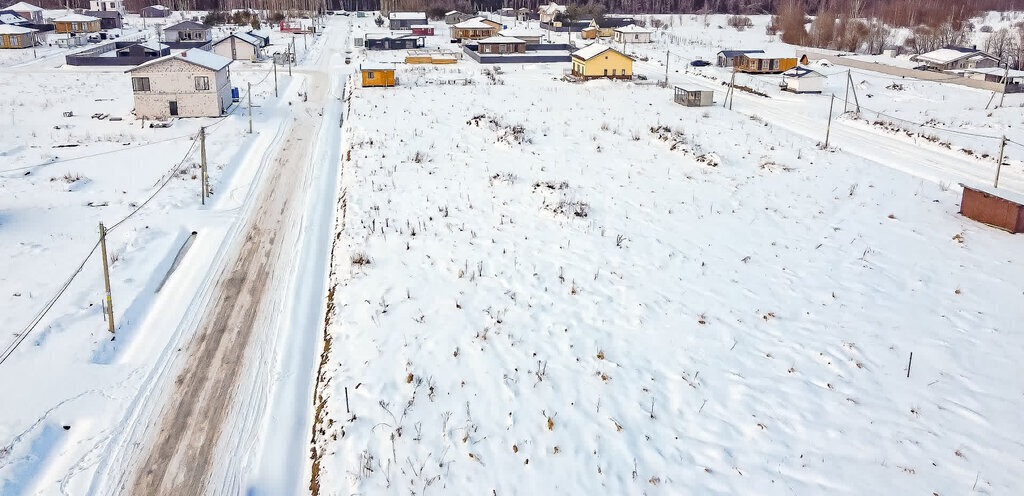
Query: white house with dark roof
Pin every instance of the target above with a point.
(632, 34)
(191, 83)
(406, 20)
(801, 79)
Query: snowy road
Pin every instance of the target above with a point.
(202, 437)
(924, 161)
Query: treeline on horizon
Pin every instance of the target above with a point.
(896, 13)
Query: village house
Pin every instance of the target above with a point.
(385, 41)
(523, 14)
(476, 28)
(187, 34)
(953, 57)
(107, 6)
(727, 58)
(76, 23)
(109, 19)
(239, 46)
(377, 75)
(632, 34)
(1011, 79)
(548, 12)
(143, 50)
(530, 36)
(261, 36)
(28, 11)
(12, 36)
(764, 63)
(601, 61)
(501, 44)
(455, 17)
(405, 20)
(155, 11)
(803, 80)
(606, 28)
(11, 17)
(589, 32)
(192, 83)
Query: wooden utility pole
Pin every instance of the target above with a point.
(849, 81)
(999, 164)
(275, 78)
(106, 278)
(730, 96)
(846, 99)
(1006, 80)
(666, 67)
(202, 156)
(828, 129)
(288, 55)
(250, 108)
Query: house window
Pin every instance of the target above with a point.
(606, 72)
(369, 75)
(202, 83)
(140, 83)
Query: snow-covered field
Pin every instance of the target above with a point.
(545, 287)
(538, 286)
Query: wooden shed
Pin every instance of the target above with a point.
(694, 98)
(995, 207)
(423, 29)
(377, 76)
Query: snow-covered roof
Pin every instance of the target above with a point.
(632, 28)
(243, 37)
(778, 53)
(951, 54)
(186, 25)
(76, 18)
(11, 29)
(153, 45)
(551, 8)
(24, 7)
(9, 17)
(474, 23)
(419, 26)
(157, 7)
(450, 12)
(801, 71)
(407, 15)
(736, 53)
(997, 71)
(501, 39)
(521, 32)
(1000, 192)
(375, 66)
(195, 56)
(593, 50)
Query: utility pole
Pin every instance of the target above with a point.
(275, 78)
(666, 67)
(999, 165)
(849, 84)
(828, 129)
(288, 55)
(250, 108)
(106, 278)
(846, 99)
(202, 156)
(731, 95)
(1006, 80)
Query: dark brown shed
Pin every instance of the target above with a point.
(995, 207)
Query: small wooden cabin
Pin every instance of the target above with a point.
(377, 76)
(76, 23)
(16, 36)
(995, 207)
(501, 44)
(764, 63)
(694, 98)
(423, 30)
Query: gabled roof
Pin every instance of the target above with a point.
(736, 53)
(148, 45)
(801, 71)
(76, 18)
(195, 56)
(157, 7)
(11, 17)
(474, 23)
(24, 7)
(450, 12)
(551, 8)
(633, 28)
(12, 29)
(593, 50)
(950, 53)
(243, 37)
(375, 66)
(501, 39)
(407, 15)
(183, 25)
(780, 53)
(515, 32)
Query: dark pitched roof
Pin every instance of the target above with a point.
(186, 25)
(104, 14)
(736, 53)
(961, 49)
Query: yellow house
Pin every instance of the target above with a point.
(76, 23)
(375, 75)
(601, 61)
(764, 63)
(16, 36)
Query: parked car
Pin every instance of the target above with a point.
(700, 63)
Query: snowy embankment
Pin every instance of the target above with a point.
(587, 289)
